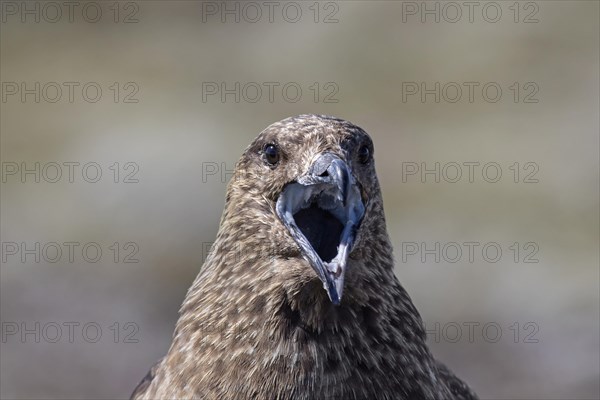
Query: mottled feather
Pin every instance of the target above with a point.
(257, 324)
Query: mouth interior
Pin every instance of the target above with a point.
(321, 228)
(323, 217)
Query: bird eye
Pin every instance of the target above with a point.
(364, 154)
(271, 154)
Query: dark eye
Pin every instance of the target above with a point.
(271, 154)
(364, 154)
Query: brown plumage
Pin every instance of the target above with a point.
(298, 297)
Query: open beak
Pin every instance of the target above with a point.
(322, 211)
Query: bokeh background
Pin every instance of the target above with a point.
(182, 141)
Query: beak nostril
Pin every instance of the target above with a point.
(324, 174)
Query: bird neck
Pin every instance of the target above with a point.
(268, 314)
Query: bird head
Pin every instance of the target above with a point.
(316, 175)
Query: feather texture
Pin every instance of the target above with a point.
(257, 324)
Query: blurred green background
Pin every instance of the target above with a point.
(182, 141)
